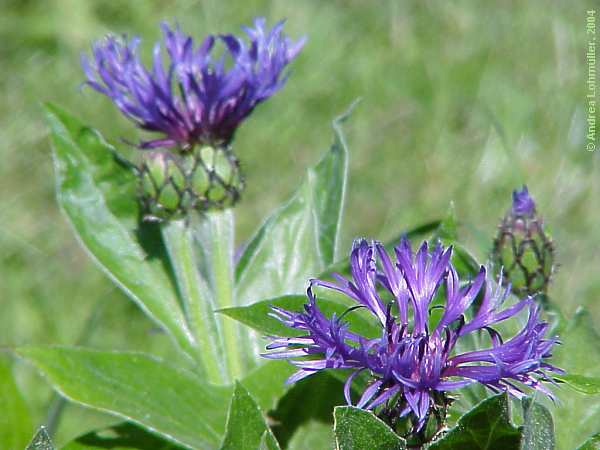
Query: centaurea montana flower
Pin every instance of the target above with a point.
(412, 362)
(197, 97)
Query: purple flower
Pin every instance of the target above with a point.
(523, 204)
(413, 360)
(197, 97)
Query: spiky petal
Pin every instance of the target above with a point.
(411, 363)
(196, 97)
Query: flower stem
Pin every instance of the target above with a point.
(220, 237)
(197, 298)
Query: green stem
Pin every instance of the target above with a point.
(197, 298)
(221, 238)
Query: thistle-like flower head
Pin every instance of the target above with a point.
(414, 361)
(197, 96)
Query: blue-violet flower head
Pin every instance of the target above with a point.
(197, 96)
(412, 361)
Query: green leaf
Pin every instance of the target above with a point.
(328, 182)
(266, 383)
(538, 427)
(15, 421)
(268, 441)
(356, 428)
(41, 441)
(173, 403)
(579, 354)
(580, 349)
(124, 436)
(583, 384)
(311, 436)
(311, 399)
(486, 427)
(592, 443)
(245, 423)
(257, 316)
(299, 239)
(97, 195)
(464, 262)
(447, 231)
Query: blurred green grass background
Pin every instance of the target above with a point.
(462, 102)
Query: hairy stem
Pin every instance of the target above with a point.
(220, 227)
(197, 298)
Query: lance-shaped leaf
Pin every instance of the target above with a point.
(447, 232)
(299, 239)
(97, 194)
(538, 427)
(309, 400)
(418, 232)
(257, 315)
(486, 427)
(356, 428)
(124, 436)
(15, 422)
(266, 383)
(246, 427)
(581, 383)
(171, 402)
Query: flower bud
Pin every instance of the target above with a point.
(198, 179)
(523, 253)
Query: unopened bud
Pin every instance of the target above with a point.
(523, 252)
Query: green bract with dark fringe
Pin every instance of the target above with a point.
(203, 179)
